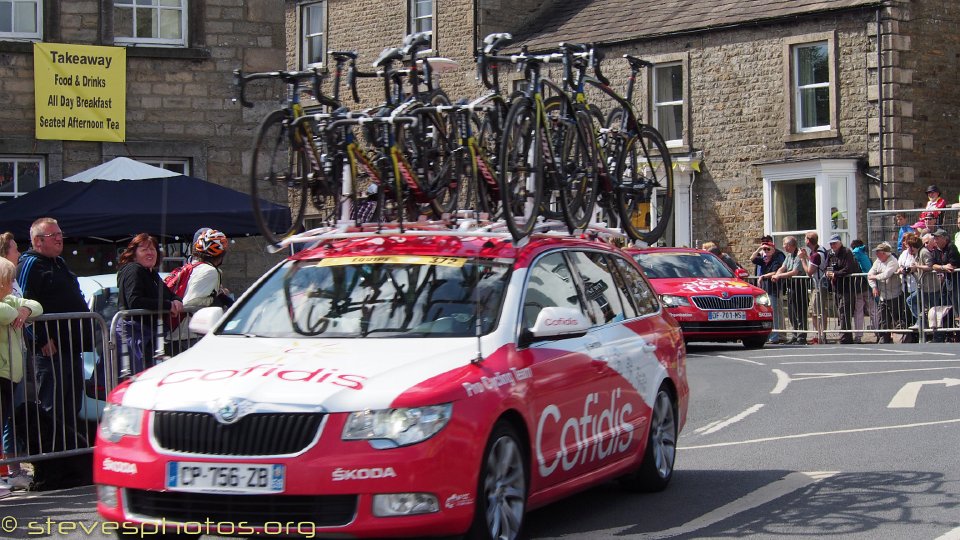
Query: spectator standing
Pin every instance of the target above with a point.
(840, 269)
(363, 211)
(947, 262)
(927, 224)
(140, 287)
(45, 277)
(906, 260)
(10, 252)
(902, 228)
(928, 292)
(956, 235)
(768, 260)
(787, 276)
(15, 312)
(864, 304)
(885, 285)
(815, 266)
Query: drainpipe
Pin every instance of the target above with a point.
(880, 101)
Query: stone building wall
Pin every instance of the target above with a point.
(179, 102)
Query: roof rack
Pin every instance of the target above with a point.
(463, 227)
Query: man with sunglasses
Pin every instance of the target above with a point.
(45, 277)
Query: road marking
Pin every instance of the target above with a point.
(906, 397)
(809, 376)
(792, 482)
(783, 379)
(714, 427)
(819, 434)
(874, 362)
(726, 357)
(952, 535)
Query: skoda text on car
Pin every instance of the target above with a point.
(707, 298)
(403, 385)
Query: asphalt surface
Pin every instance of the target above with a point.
(855, 441)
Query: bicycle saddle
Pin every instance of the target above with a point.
(390, 54)
(636, 63)
(344, 55)
(416, 40)
(494, 42)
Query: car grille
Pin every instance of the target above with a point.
(254, 510)
(261, 434)
(725, 326)
(740, 301)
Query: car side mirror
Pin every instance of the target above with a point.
(204, 320)
(559, 321)
(741, 274)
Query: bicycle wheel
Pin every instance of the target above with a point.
(575, 189)
(487, 188)
(578, 174)
(277, 178)
(429, 150)
(521, 168)
(645, 186)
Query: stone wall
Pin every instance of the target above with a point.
(179, 102)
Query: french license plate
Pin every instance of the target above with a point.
(727, 316)
(235, 477)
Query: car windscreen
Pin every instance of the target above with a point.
(682, 265)
(382, 296)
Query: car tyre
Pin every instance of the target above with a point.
(501, 488)
(755, 342)
(660, 455)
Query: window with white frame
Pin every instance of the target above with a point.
(421, 16)
(818, 194)
(177, 165)
(20, 175)
(150, 22)
(668, 102)
(313, 29)
(20, 19)
(811, 68)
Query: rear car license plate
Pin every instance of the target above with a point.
(219, 477)
(727, 316)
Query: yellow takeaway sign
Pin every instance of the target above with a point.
(80, 92)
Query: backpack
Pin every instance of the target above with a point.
(177, 281)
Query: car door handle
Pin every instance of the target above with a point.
(649, 348)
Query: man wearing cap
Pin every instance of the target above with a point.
(840, 266)
(885, 284)
(363, 211)
(947, 261)
(769, 259)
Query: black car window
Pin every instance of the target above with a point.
(643, 295)
(549, 285)
(600, 289)
(681, 265)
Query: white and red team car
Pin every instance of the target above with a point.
(402, 385)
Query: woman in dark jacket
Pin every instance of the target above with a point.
(142, 288)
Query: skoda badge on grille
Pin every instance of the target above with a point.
(725, 294)
(228, 410)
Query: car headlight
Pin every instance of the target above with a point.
(118, 421)
(670, 300)
(390, 428)
(763, 300)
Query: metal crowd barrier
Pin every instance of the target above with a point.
(53, 411)
(926, 309)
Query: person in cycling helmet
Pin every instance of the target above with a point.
(205, 287)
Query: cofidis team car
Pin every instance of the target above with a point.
(706, 297)
(403, 385)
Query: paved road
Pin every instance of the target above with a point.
(814, 442)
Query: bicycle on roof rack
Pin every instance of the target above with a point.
(288, 164)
